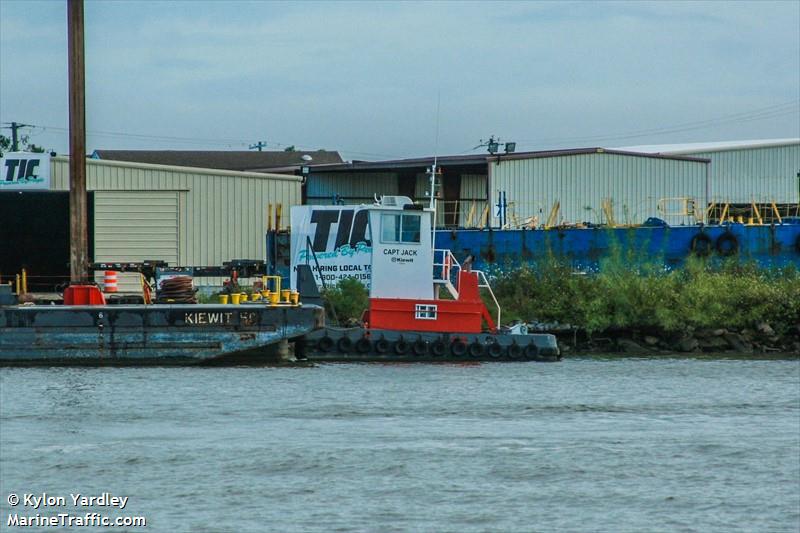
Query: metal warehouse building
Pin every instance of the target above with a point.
(462, 185)
(185, 216)
(742, 172)
(587, 185)
(595, 185)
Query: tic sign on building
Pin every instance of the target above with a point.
(24, 171)
(334, 240)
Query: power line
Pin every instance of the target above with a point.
(773, 111)
(14, 126)
(219, 141)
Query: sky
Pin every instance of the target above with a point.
(380, 80)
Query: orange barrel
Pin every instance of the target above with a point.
(110, 281)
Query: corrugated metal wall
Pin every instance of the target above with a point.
(473, 200)
(136, 225)
(581, 182)
(471, 205)
(356, 188)
(221, 215)
(755, 174)
(131, 225)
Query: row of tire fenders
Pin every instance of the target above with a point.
(727, 244)
(457, 347)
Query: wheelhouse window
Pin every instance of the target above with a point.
(400, 228)
(425, 312)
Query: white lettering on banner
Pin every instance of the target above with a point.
(24, 171)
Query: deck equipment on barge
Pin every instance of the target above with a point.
(423, 304)
(90, 331)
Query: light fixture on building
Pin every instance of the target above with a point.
(493, 145)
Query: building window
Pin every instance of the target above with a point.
(400, 228)
(425, 312)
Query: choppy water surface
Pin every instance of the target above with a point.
(582, 445)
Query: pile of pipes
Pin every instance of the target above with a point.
(177, 290)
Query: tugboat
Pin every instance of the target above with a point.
(423, 304)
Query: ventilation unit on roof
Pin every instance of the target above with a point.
(395, 201)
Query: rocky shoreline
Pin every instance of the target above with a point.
(760, 340)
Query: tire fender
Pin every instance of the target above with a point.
(344, 345)
(325, 344)
(458, 348)
(727, 244)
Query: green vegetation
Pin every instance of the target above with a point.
(346, 300)
(24, 145)
(699, 295)
(629, 294)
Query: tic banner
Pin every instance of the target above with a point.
(337, 237)
(24, 171)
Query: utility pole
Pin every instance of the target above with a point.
(78, 260)
(14, 126)
(259, 145)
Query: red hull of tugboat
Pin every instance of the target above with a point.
(465, 315)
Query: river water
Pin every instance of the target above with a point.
(588, 444)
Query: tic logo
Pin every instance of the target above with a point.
(351, 228)
(21, 170)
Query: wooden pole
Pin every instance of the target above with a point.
(78, 257)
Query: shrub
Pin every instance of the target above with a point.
(346, 300)
(625, 294)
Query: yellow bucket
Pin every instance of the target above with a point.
(255, 297)
(265, 295)
(295, 296)
(274, 297)
(236, 298)
(223, 299)
(243, 299)
(285, 295)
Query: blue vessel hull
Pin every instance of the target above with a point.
(585, 248)
(154, 334)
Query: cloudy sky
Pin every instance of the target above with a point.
(367, 78)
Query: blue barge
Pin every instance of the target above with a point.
(767, 245)
(169, 334)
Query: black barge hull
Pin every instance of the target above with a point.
(153, 334)
(375, 345)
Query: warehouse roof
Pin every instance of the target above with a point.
(225, 160)
(482, 159)
(698, 148)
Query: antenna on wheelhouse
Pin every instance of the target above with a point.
(435, 159)
(432, 204)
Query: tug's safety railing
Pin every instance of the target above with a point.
(483, 283)
(446, 268)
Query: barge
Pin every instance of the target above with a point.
(95, 333)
